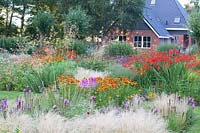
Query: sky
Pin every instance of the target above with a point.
(183, 2)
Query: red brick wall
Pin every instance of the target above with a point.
(155, 41)
(181, 40)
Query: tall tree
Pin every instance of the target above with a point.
(43, 21)
(78, 19)
(109, 14)
(194, 23)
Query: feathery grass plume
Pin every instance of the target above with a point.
(51, 123)
(85, 74)
(166, 104)
(13, 122)
(119, 122)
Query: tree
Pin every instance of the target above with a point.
(43, 22)
(196, 4)
(194, 23)
(78, 18)
(109, 14)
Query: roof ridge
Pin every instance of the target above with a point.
(181, 10)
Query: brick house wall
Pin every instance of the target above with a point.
(155, 41)
(130, 35)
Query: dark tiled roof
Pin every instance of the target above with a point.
(155, 24)
(161, 15)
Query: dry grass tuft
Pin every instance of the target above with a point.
(166, 104)
(119, 122)
(85, 74)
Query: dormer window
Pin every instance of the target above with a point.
(177, 20)
(153, 2)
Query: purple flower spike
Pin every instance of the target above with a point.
(88, 83)
(193, 105)
(155, 111)
(84, 84)
(92, 98)
(66, 102)
(54, 107)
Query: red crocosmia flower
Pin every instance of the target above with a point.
(124, 65)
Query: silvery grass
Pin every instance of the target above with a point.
(112, 121)
(119, 122)
(166, 104)
(85, 74)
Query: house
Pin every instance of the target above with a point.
(164, 21)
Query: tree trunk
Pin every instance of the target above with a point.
(41, 40)
(22, 19)
(6, 23)
(11, 16)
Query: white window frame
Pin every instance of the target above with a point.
(142, 42)
(153, 2)
(177, 20)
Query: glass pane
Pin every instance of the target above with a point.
(120, 38)
(124, 38)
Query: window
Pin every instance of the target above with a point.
(177, 20)
(153, 2)
(176, 39)
(122, 38)
(146, 42)
(138, 41)
(142, 41)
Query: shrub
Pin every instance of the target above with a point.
(119, 49)
(166, 47)
(93, 64)
(78, 17)
(80, 47)
(12, 76)
(9, 44)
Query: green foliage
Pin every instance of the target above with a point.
(194, 23)
(115, 96)
(179, 123)
(69, 100)
(78, 18)
(11, 44)
(80, 47)
(117, 70)
(106, 14)
(194, 49)
(118, 49)
(195, 128)
(38, 79)
(93, 64)
(11, 95)
(12, 76)
(166, 47)
(43, 21)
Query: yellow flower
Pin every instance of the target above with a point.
(150, 95)
(140, 90)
